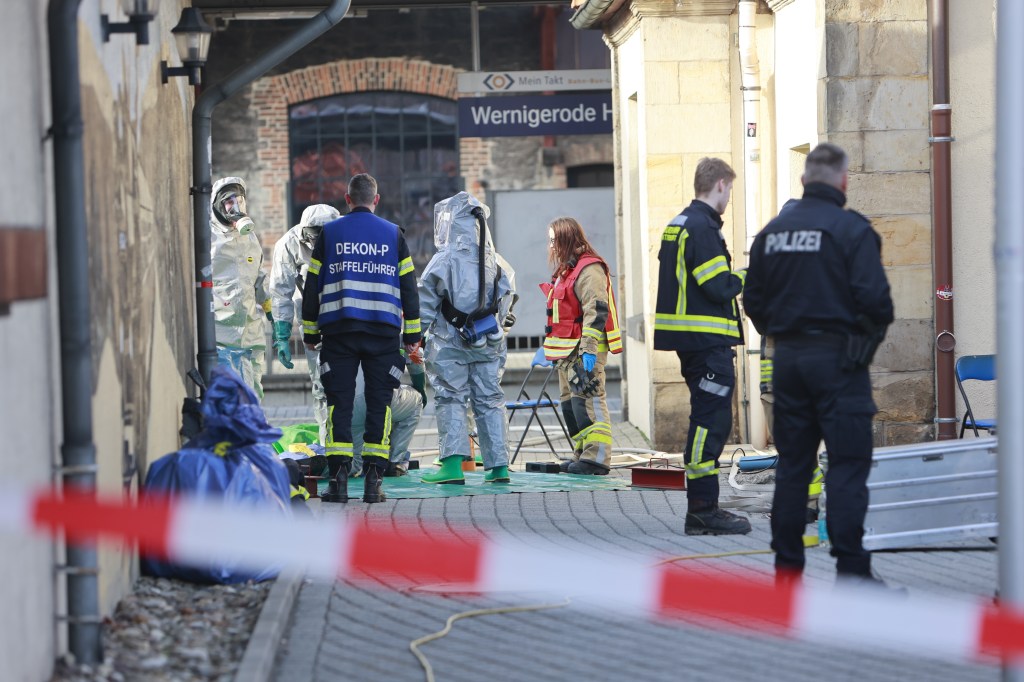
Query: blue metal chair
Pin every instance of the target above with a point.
(974, 368)
(543, 400)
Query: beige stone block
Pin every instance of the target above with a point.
(664, 365)
(875, 10)
(895, 103)
(704, 82)
(664, 178)
(904, 396)
(906, 239)
(911, 292)
(880, 194)
(674, 129)
(896, 150)
(670, 416)
(899, 433)
(908, 347)
(661, 83)
(853, 145)
(893, 48)
(689, 39)
(875, 103)
(841, 53)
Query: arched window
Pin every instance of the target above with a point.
(406, 141)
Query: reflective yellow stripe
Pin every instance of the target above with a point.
(598, 432)
(701, 470)
(221, 448)
(404, 266)
(697, 323)
(681, 274)
(553, 304)
(699, 437)
(816, 482)
(555, 348)
(742, 274)
(706, 271)
(766, 371)
(614, 335)
(310, 327)
(375, 450)
(300, 491)
(412, 326)
(314, 266)
(670, 233)
(593, 333)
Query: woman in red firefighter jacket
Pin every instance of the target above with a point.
(582, 328)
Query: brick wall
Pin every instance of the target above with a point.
(272, 96)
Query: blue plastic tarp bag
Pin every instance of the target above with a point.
(230, 460)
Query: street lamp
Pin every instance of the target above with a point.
(140, 13)
(192, 35)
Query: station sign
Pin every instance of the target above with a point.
(492, 82)
(577, 114)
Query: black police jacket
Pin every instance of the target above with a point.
(696, 305)
(816, 268)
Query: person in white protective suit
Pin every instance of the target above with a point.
(240, 301)
(287, 277)
(407, 404)
(466, 347)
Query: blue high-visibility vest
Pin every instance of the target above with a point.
(359, 273)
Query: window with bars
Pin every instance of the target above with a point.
(408, 142)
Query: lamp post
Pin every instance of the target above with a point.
(192, 36)
(140, 13)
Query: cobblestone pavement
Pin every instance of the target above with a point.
(345, 631)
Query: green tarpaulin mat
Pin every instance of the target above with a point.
(410, 485)
(297, 433)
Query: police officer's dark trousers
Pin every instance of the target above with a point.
(815, 399)
(711, 376)
(382, 364)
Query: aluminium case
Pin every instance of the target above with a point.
(932, 493)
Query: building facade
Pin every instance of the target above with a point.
(854, 73)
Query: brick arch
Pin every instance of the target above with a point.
(272, 96)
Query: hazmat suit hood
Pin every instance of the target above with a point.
(453, 272)
(313, 220)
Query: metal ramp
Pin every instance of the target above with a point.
(932, 493)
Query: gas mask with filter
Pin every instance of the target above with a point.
(229, 207)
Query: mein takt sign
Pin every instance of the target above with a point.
(582, 114)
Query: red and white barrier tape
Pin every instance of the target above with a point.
(193, 533)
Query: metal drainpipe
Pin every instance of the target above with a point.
(941, 115)
(78, 452)
(202, 161)
(750, 85)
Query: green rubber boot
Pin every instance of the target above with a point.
(497, 475)
(450, 472)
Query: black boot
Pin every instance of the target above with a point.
(337, 487)
(715, 521)
(373, 473)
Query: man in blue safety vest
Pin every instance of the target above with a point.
(360, 297)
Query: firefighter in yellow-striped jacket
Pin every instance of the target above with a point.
(582, 328)
(696, 316)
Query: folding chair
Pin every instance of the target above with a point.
(523, 401)
(976, 368)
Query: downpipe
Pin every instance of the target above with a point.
(78, 451)
(750, 86)
(202, 161)
(941, 139)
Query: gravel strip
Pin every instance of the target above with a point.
(173, 630)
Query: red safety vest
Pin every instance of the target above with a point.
(565, 315)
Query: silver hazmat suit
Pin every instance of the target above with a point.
(287, 277)
(240, 302)
(459, 372)
(406, 409)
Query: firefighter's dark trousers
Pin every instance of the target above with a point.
(711, 377)
(382, 364)
(816, 399)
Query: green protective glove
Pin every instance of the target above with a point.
(419, 382)
(282, 336)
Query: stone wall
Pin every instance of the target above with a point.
(875, 100)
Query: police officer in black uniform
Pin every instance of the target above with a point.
(361, 299)
(816, 286)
